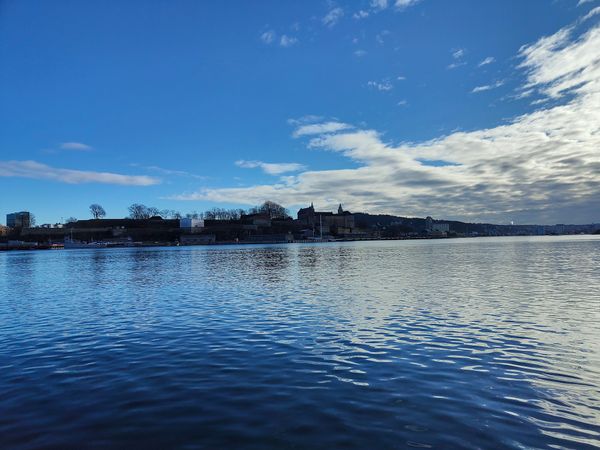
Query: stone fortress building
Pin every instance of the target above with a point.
(325, 222)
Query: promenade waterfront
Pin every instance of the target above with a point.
(450, 343)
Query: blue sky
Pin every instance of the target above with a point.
(477, 111)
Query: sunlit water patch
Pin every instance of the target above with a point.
(465, 343)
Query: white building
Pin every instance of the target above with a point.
(441, 227)
(192, 225)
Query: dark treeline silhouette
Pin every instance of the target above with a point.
(272, 209)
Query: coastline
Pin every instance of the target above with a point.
(30, 246)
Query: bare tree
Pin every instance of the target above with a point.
(272, 209)
(71, 219)
(138, 211)
(195, 215)
(169, 214)
(153, 211)
(97, 211)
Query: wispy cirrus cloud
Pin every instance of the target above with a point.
(457, 55)
(486, 61)
(271, 37)
(39, 171)
(381, 36)
(592, 13)
(287, 41)
(271, 168)
(487, 87)
(402, 4)
(399, 5)
(320, 128)
(376, 6)
(268, 36)
(307, 119)
(383, 85)
(360, 14)
(168, 172)
(332, 17)
(76, 146)
(563, 64)
(379, 5)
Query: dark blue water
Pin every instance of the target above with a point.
(476, 343)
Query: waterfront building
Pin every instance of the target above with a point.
(436, 227)
(441, 227)
(327, 222)
(20, 219)
(191, 225)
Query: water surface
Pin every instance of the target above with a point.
(464, 343)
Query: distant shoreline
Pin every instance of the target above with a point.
(25, 247)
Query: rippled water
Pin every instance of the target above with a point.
(465, 343)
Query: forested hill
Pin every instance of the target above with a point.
(364, 220)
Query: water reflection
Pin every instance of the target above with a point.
(448, 344)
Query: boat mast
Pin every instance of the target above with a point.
(321, 225)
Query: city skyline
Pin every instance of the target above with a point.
(464, 111)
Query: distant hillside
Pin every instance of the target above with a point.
(364, 220)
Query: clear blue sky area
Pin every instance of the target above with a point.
(187, 105)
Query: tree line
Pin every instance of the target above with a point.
(140, 211)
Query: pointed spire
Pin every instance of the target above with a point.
(311, 205)
(340, 210)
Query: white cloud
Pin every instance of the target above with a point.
(454, 65)
(271, 168)
(402, 103)
(400, 78)
(541, 167)
(309, 118)
(486, 61)
(581, 2)
(591, 14)
(320, 128)
(380, 37)
(39, 171)
(76, 146)
(459, 53)
(560, 64)
(168, 172)
(360, 53)
(487, 87)
(287, 41)
(333, 17)
(383, 85)
(268, 36)
(402, 4)
(379, 4)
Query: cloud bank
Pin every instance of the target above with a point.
(542, 167)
